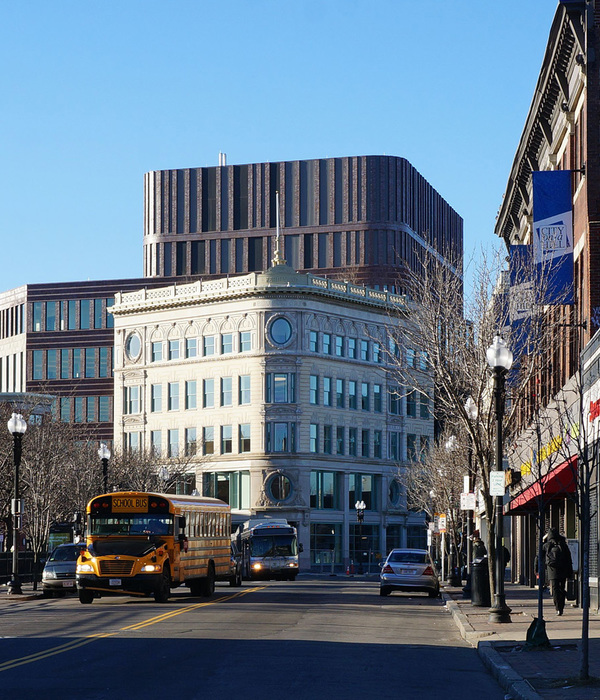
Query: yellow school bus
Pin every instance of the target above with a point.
(144, 544)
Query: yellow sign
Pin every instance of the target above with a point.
(130, 504)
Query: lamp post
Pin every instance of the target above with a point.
(454, 577)
(472, 413)
(104, 454)
(360, 516)
(500, 360)
(17, 427)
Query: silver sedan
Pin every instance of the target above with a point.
(409, 570)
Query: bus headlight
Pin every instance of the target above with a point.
(257, 567)
(293, 564)
(85, 569)
(150, 568)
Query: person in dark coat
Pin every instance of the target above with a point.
(479, 550)
(559, 566)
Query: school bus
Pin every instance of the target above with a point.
(144, 544)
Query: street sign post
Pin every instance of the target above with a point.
(497, 483)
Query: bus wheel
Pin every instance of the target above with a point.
(161, 594)
(86, 597)
(208, 584)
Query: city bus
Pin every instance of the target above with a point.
(144, 544)
(269, 549)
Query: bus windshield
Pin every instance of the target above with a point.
(131, 525)
(273, 546)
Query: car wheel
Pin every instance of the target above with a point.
(161, 594)
(86, 597)
(46, 593)
(383, 591)
(434, 593)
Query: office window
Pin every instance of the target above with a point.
(314, 389)
(157, 353)
(244, 389)
(91, 413)
(244, 437)
(37, 370)
(156, 442)
(424, 406)
(226, 391)
(281, 437)
(245, 341)
(327, 396)
(377, 401)
(326, 343)
(362, 487)
(394, 445)
(156, 398)
(313, 341)
(377, 438)
(208, 440)
(208, 393)
(65, 364)
(226, 343)
(72, 315)
(411, 447)
(364, 396)
(103, 367)
(51, 364)
(339, 440)
(77, 360)
(173, 398)
(208, 345)
(377, 354)
(313, 438)
(84, 314)
(423, 360)
(98, 313)
(226, 439)
(133, 441)
(324, 490)
(191, 347)
(339, 393)
(352, 348)
(132, 403)
(109, 318)
(37, 315)
(104, 409)
(352, 400)
(339, 346)
(352, 439)
(395, 403)
(65, 409)
(90, 363)
(364, 349)
(280, 387)
(50, 315)
(364, 443)
(190, 395)
(173, 443)
(190, 442)
(79, 409)
(411, 404)
(327, 439)
(173, 349)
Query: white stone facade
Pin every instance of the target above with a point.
(280, 384)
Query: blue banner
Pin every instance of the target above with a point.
(522, 299)
(553, 235)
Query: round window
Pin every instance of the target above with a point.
(133, 346)
(395, 492)
(280, 331)
(279, 487)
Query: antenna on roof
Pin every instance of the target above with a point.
(277, 256)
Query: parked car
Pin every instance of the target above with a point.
(409, 570)
(58, 576)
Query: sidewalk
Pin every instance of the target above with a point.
(529, 675)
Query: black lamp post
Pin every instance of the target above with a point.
(17, 427)
(472, 413)
(500, 360)
(104, 454)
(360, 516)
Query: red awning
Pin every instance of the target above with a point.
(554, 486)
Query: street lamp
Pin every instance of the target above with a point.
(360, 516)
(500, 360)
(472, 413)
(454, 577)
(17, 427)
(104, 454)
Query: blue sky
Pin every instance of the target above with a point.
(94, 94)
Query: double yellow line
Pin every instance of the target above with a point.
(76, 643)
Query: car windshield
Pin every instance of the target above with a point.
(65, 554)
(408, 557)
(268, 546)
(132, 525)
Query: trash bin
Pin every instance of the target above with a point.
(480, 583)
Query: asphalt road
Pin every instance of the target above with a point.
(330, 638)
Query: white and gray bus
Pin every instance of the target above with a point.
(269, 549)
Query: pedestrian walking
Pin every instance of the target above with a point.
(479, 550)
(559, 566)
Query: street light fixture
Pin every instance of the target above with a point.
(500, 360)
(472, 413)
(104, 454)
(360, 516)
(454, 577)
(17, 427)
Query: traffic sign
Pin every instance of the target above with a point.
(497, 483)
(467, 501)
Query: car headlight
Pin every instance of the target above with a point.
(293, 563)
(257, 567)
(150, 568)
(48, 574)
(85, 568)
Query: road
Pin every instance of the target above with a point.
(330, 638)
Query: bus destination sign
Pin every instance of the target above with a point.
(130, 504)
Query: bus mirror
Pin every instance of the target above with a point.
(300, 547)
(182, 522)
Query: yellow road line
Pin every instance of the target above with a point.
(76, 643)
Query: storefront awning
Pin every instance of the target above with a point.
(554, 486)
